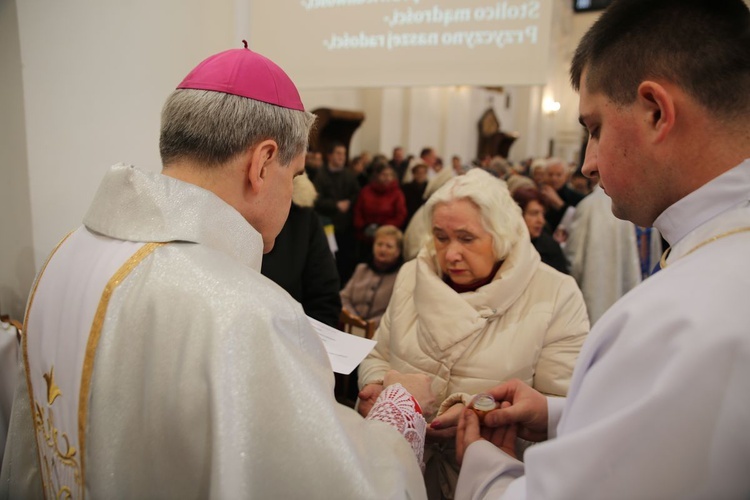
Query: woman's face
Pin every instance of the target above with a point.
(385, 251)
(464, 247)
(539, 176)
(386, 176)
(533, 215)
(358, 166)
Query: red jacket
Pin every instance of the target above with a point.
(379, 204)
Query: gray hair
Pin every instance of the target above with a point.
(213, 127)
(500, 215)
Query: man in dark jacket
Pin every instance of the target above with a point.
(337, 191)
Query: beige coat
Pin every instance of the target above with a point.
(529, 323)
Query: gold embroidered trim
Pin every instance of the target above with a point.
(93, 341)
(25, 350)
(663, 261)
(66, 456)
(53, 391)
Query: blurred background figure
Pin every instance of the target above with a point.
(399, 162)
(301, 261)
(313, 163)
(379, 203)
(519, 181)
(429, 158)
(580, 183)
(499, 167)
(414, 190)
(650, 248)
(538, 172)
(337, 189)
(458, 167)
(603, 253)
(358, 167)
(476, 307)
(368, 291)
(418, 231)
(558, 196)
(533, 207)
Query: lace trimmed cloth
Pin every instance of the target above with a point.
(396, 407)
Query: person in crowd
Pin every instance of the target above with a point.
(429, 157)
(458, 167)
(558, 196)
(438, 166)
(399, 162)
(313, 163)
(580, 183)
(160, 363)
(523, 167)
(476, 307)
(379, 203)
(337, 189)
(603, 253)
(414, 190)
(533, 208)
(519, 181)
(367, 160)
(657, 407)
(650, 248)
(357, 166)
(368, 291)
(499, 167)
(418, 231)
(538, 172)
(301, 261)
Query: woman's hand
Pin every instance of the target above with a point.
(367, 397)
(419, 386)
(444, 427)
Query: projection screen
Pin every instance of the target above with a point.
(386, 43)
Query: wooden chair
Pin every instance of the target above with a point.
(354, 325)
(351, 323)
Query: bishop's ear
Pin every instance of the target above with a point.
(264, 154)
(658, 107)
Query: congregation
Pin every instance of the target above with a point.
(167, 351)
(356, 197)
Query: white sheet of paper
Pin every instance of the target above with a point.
(345, 351)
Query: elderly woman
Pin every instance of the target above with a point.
(369, 290)
(533, 207)
(476, 307)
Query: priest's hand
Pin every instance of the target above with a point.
(527, 408)
(418, 385)
(367, 397)
(470, 431)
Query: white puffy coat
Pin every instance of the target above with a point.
(528, 323)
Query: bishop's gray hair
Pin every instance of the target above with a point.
(212, 127)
